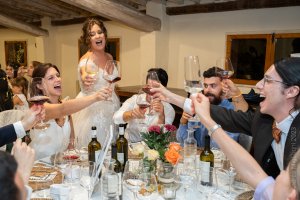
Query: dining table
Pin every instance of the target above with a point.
(239, 189)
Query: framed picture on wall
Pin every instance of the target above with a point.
(16, 51)
(112, 47)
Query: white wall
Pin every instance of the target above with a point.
(196, 34)
(205, 34)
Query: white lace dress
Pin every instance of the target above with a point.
(51, 140)
(98, 114)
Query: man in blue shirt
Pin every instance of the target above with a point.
(213, 89)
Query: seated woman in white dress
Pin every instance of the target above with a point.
(19, 86)
(135, 116)
(56, 138)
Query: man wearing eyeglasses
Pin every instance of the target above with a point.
(279, 110)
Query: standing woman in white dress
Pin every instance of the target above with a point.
(99, 114)
(57, 136)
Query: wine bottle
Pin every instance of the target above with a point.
(122, 147)
(117, 167)
(94, 146)
(206, 162)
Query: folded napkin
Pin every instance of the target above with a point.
(43, 178)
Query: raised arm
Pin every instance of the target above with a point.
(72, 106)
(233, 92)
(244, 163)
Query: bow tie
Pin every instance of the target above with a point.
(276, 132)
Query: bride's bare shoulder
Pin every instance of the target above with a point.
(86, 55)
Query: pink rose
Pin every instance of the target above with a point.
(155, 129)
(170, 127)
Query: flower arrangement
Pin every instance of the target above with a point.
(172, 154)
(157, 138)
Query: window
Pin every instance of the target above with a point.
(253, 54)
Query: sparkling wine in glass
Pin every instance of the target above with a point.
(112, 72)
(37, 94)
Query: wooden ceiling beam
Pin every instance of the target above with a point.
(16, 24)
(117, 12)
(230, 6)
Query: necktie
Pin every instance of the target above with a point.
(276, 133)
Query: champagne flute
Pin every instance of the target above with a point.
(192, 73)
(88, 176)
(37, 96)
(92, 70)
(112, 72)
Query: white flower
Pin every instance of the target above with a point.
(138, 149)
(152, 154)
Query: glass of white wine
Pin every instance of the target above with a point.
(192, 74)
(92, 70)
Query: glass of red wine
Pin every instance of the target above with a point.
(37, 96)
(152, 81)
(225, 69)
(112, 73)
(143, 103)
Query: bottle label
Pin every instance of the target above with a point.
(120, 183)
(113, 184)
(97, 155)
(205, 172)
(120, 157)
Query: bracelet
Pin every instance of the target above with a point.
(237, 95)
(213, 129)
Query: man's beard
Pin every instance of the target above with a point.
(216, 100)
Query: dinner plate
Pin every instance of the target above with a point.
(248, 195)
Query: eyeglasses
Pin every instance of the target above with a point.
(270, 80)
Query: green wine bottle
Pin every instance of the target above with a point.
(207, 163)
(117, 167)
(122, 147)
(94, 146)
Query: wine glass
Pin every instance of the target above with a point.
(37, 96)
(92, 70)
(192, 73)
(226, 178)
(207, 183)
(131, 174)
(112, 72)
(88, 176)
(227, 68)
(143, 101)
(184, 176)
(148, 189)
(152, 81)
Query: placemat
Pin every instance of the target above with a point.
(42, 170)
(248, 195)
